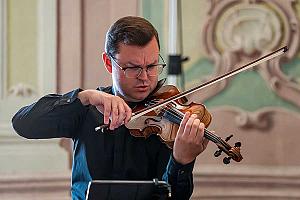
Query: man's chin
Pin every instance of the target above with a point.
(138, 98)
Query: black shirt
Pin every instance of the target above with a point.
(110, 155)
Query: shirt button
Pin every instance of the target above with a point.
(181, 172)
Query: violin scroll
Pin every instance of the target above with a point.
(231, 152)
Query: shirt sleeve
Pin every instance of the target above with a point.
(52, 116)
(180, 178)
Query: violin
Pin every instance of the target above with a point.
(165, 122)
(162, 112)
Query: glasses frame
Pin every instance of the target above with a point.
(124, 68)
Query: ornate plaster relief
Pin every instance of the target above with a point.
(238, 31)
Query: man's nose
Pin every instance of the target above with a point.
(143, 75)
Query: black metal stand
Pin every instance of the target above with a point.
(128, 190)
(175, 67)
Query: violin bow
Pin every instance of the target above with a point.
(211, 82)
(258, 61)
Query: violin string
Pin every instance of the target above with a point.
(179, 115)
(170, 109)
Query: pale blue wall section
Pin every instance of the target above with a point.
(153, 11)
(246, 90)
(292, 68)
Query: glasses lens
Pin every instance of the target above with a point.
(152, 70)
(160, 69)
(155, 70)
(132, 72)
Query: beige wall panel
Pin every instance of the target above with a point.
(69, 45)
(98, 16)
(82, 29)
(96, 22)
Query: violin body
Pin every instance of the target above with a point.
(158, 121)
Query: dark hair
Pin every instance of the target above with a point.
(129, 30)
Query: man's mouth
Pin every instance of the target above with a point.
(142, 87)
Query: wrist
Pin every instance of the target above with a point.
(182, 160)
(83, 97)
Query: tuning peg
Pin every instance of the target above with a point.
(226, 160)
(238, 144)
(218, 153)
(229, 137)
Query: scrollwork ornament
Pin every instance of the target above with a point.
(239, 31)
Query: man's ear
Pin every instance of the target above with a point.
(107, 62)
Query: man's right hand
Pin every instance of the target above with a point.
(112, 107)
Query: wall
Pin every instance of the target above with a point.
(261, 107)
(44, 46)
(28, 72)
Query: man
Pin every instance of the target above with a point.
(132, 58)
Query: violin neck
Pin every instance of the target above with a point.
(215, 138)
(212, 137)
(175, 116)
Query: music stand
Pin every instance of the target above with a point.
(128, 190)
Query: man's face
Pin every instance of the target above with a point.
(135, 89)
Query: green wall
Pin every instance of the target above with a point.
(22, 42)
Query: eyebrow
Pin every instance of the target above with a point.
(134, 65)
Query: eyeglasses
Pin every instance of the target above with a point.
(134, 72)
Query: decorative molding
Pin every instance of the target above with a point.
(35, 186)
(21, 90)
(210, 182)
(249, 28)
(261, 119)
(238, 31)
(246, 183)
